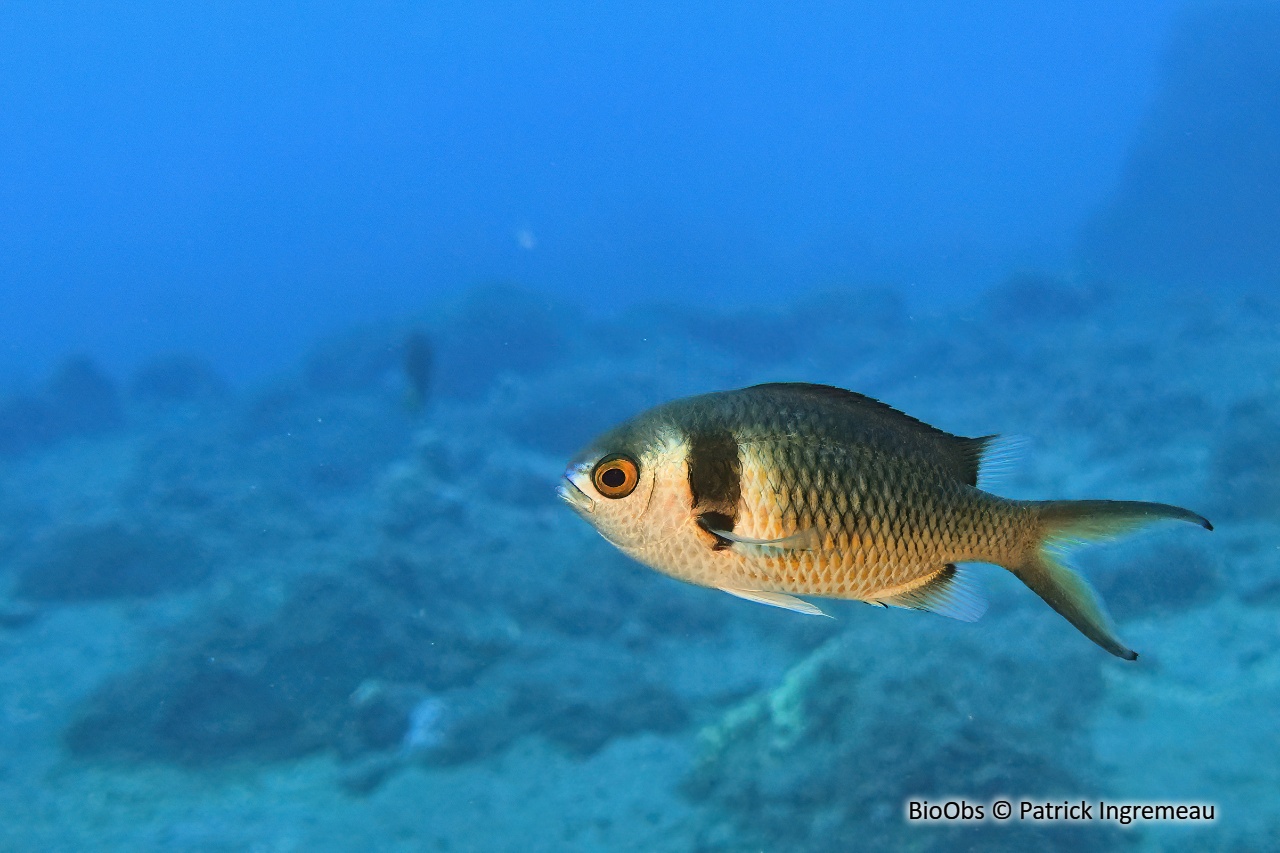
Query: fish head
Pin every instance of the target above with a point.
(622, 484)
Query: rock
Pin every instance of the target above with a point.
(177, 378)
(827, 760)
(1199, 199)
(311, 442)
(1246, 462)
(78, 400)
(1037, 299)
(404, 718)
(1166, 576)
(365, 775)
(582, 725)
(17, 614)
(113, 560)
(84, 399)
(497, 329)
(230, 691)
(357, 361)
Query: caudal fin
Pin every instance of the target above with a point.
(1068, 523)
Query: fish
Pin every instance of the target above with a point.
(417, 360)
(783, 490)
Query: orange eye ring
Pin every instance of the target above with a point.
(615, 476)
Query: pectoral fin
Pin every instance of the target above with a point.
(776, 599)
(801, 540)
(950, 592)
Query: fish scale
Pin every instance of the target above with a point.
(793, 482)
(791, 489)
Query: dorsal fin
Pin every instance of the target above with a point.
(960, 456)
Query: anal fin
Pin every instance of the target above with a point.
(949, 592)
(776, 599)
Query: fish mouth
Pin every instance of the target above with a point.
(575, 497)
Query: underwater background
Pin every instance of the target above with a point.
(306, 306)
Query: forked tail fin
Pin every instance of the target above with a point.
(1068, 523)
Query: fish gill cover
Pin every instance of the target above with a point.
(300, 613)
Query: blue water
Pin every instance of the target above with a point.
(186, 178)
(305, 309)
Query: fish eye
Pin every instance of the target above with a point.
(615, 476)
